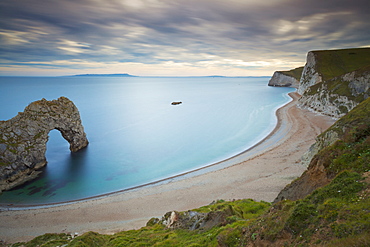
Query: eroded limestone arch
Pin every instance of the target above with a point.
(23, 138)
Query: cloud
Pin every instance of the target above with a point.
(233, 36)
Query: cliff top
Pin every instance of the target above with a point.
(333, 63)
(296, 73)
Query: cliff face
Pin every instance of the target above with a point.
(23, 138)
(345, 145)
(286, 78)
(310, 75)
(334, 82)
(337, 96)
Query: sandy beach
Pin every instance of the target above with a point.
(259, 174)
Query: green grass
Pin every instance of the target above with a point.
(240, 213)
(47, 240)
(352, 151)
(339, 210)
(296, 73)
(244, 209)
(333, 63)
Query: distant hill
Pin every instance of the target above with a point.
(104, 75)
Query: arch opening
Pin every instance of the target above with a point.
(27, 136)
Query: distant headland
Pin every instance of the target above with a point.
(105, 75)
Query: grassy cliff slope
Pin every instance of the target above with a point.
(296, 73)
(329, 204)
(333, 63)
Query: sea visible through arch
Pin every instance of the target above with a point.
(136, 135)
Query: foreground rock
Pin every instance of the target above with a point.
(23, 138)
(191, 220)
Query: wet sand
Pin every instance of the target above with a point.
(259, 173)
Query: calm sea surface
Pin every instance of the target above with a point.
(136, 136)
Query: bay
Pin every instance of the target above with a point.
(136, 136)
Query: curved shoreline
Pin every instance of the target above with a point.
(230, 161)
(269, 166)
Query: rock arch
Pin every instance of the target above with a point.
(23, 138)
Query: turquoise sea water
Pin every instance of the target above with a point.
(136, 136)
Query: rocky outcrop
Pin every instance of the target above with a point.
(286, 78)
(23, 138)
(191, 220)
(334, 82)
(336, 97)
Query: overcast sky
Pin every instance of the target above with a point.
(174, 37)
